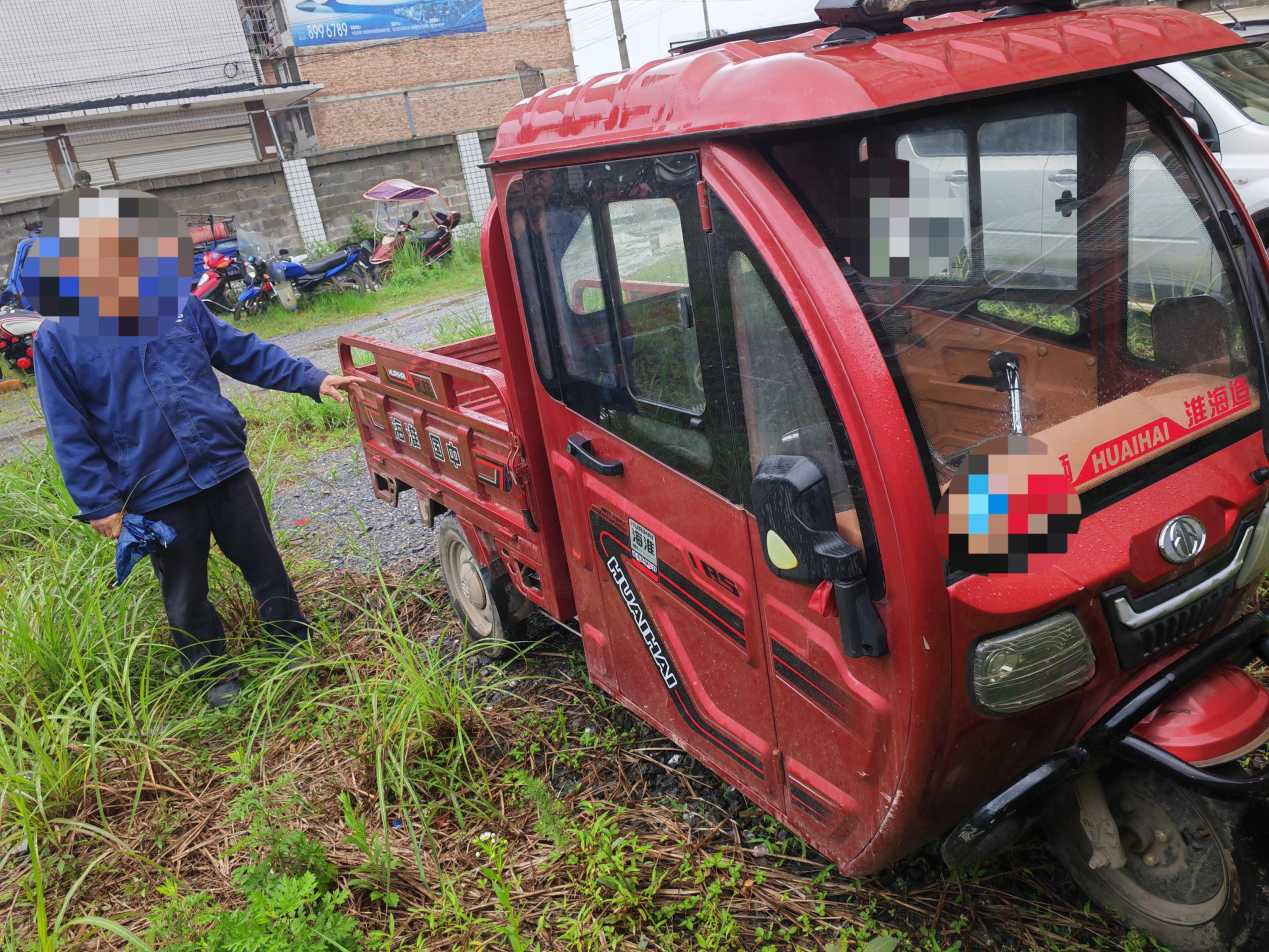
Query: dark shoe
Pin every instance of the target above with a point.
(223, 692)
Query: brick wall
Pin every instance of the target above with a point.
(256, 194)
(470, 77)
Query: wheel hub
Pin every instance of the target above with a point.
(1175, 869)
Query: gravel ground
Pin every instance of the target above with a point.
(345, 523)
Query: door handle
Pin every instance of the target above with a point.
(580, 449)
(959, 177)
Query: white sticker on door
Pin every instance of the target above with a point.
(643, 545)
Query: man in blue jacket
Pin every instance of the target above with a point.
(138, 423)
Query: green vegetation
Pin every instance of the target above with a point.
(1062, 320)
(413, 281)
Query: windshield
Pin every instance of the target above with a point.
(1242, 76)
(1062, 233)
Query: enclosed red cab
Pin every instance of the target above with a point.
(884, 400)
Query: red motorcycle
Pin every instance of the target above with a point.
(221, 281)
(395, 231)
(17, 337)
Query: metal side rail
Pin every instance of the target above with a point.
(1000, 821)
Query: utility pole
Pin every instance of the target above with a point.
(705, 7)
(621, 34)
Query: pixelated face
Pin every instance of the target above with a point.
(1009, 508)
(902, 221)
(113, 265)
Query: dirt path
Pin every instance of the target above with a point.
(20, 421)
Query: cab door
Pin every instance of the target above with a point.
(838, 719)
(615, 284)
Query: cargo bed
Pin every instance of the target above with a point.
(438, 422)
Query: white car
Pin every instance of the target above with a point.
(1226, 98)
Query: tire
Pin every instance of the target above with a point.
(488, 606)
(1208, 893)
(249, 308)
(341, 283)
(380, 274)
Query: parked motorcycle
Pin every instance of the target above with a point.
(12, 298)
(285, 279)
(17, 338)
(222, 280)
(393, 230)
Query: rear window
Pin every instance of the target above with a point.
(1064, 230)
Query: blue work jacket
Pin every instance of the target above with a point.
(139, 426)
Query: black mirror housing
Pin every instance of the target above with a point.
(800, 543)
(794, 507)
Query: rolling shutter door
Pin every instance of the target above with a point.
(26, 170)
(153, 156)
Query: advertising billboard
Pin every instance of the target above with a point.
(322, 22)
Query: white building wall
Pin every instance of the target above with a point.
(76, 51)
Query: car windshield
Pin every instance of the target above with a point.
(1064, 231)
(1242, 76)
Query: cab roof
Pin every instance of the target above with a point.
(746, 85)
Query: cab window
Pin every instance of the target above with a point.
(1067, 230)
(781, 403)
(614, 278)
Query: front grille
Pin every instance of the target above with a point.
(1134, 646)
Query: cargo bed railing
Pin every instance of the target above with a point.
(441, 424)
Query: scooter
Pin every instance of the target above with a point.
(221, 281)
(17, 338)
(433, 244)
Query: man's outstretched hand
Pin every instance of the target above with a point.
(109, 526)
(332, 385)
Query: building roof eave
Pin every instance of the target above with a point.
(274, 97)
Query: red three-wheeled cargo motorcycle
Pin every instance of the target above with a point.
(884, 398)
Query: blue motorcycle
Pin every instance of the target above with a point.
(13, 298)
(284, 279)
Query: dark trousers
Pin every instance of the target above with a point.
(234, 513)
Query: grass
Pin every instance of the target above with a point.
(413, 281)
(401, 792)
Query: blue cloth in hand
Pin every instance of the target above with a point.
(140, 536)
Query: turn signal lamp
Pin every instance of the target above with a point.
(1019, 669)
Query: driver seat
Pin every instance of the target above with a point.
(322, 265)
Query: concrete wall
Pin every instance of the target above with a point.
(342, 176)
(256, 194)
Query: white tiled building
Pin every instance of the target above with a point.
(131, 91)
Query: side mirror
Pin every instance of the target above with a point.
(415, 215)
(800, 543)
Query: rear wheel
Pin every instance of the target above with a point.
(342, 282)
(1196, 868)
(490, 609)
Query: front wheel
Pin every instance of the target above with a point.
(248, 308)
(1196, 870)
(490, 609)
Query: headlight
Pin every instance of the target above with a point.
(1256, 562)
(1019, 669)
(249, 270)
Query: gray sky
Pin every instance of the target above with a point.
(651, 23)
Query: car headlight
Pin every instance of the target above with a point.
(1019, 669)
